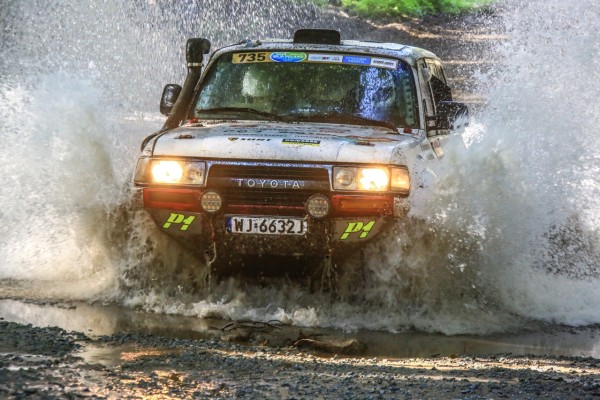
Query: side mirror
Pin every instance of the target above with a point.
(169, 97)
(452, 115)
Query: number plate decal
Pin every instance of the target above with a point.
(266, 225)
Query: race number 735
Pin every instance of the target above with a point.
(242, 58)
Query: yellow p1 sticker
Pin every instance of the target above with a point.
(355, 227)
(177, 219)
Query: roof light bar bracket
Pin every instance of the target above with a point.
(317, 36)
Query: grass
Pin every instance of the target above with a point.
(397, 8)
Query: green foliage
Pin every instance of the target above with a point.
(394, 8)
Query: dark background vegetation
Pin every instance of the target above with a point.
(396, 8)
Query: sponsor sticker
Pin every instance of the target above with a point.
(179, 219)
(249, 139)
(327, 58)
(361, 60)
(302, 142)
(288, 56)
(384, 63)
(356, 227)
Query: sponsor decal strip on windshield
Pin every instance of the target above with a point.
(297, 56)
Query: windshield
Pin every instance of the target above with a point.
(295, 86)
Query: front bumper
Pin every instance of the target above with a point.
(341, 233)
(200, 231)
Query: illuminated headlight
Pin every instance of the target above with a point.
(166, 171)
(400, 180)
(211, 201)
(179, 172)
(373, 179)
(317, 206)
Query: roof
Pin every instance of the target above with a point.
(404, 52)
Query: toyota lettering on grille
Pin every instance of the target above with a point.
(269, 183)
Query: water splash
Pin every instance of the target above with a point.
(528, 182)
(55, 161)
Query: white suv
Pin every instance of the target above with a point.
(298, 148)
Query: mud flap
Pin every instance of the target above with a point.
(179, 224)
(359, 229)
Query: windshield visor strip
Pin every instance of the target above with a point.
(300, 56)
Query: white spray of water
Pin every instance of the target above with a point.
(526, 191)
(540, 127)
(507, 236)
(55, 161)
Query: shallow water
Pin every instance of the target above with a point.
(100, 320)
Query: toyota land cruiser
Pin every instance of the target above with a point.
(298, 148)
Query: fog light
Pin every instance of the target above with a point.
(317, 206)
(211, 201)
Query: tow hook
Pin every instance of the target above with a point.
(328, 275)
(210, 254)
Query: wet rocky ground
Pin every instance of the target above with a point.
(53, 363)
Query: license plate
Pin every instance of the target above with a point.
(266, 225)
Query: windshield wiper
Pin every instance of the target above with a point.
(247, 110)
(345, 118)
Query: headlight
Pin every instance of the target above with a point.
(372, 179)
(344, 178)
(166, 171)
(177, 172)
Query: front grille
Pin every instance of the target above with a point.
(269, 172)
(265, 197)
(232, 182)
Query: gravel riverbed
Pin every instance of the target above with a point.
(53, 363)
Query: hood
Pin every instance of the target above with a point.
(315, 142)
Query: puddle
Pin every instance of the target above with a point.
(98, 320)
(115, 355)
